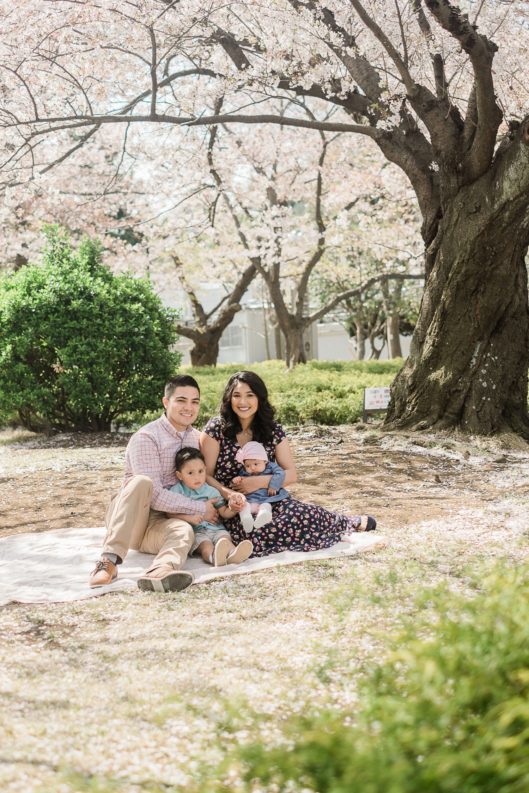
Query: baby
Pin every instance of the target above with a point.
(212, 541)
(255, 462)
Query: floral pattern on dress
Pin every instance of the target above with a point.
(296, 526)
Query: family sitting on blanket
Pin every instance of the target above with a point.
(150, 515)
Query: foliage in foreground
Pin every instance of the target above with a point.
(319, 392)
(80, 346)
(446, 713)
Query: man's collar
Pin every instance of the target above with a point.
(166, 424)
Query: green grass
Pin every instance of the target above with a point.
(448, 711)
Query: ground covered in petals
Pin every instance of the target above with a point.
(140, 692)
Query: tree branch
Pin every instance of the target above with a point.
(78, 145)
(153, 69)
(481, 53)
(359, 290)
(357, 66)
(81, 120)
(427, 106)
(320, 247)
(198, 309)
(232, 48)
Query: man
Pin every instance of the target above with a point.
(136, 517)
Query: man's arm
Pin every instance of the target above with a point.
(143, 458)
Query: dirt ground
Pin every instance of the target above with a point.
(67, 480)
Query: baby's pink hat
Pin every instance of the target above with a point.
(251, 451)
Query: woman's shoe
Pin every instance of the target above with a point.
(364, 523)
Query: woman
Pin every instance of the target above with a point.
(246, 415)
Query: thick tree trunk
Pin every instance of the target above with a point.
(295, 347)
(278, 341)
(470, 351)
(375, 351)
(360, 343)
(393, 335)
(205, 351)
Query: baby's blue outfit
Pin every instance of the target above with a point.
(203, 493)
(276, 482)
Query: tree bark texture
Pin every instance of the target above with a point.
(295, 346)
(469, 356)
(205, 350)
(360, 342)
(393, 336)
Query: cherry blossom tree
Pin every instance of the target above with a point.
(208, 326)
(380, 315)
(289, 209)
(383, 239)
(439, 89)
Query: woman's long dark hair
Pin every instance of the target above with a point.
(263, 421)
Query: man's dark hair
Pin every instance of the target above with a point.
(180, 381)
(186, 454)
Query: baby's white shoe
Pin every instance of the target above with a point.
(264, 516)
(247, 520)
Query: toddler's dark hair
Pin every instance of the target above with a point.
(186, 454)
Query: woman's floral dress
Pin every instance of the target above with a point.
(296, 526)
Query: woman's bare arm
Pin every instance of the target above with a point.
(249, 484)
(210, 448)
(285, 459)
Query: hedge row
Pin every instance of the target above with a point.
(319, 392)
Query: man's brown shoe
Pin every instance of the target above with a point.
(103, 573)
(165, 579)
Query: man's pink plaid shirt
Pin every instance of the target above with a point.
(151, 452)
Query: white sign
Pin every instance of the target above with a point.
(376, 398)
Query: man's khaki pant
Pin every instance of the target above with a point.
(131, 523)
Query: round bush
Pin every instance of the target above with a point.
(79, 346)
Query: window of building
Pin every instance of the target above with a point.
(232, 337)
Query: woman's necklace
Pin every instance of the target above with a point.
(245, 433)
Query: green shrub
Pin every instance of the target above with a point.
(80, 347)
(448, 713)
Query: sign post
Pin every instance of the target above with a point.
(376, 400)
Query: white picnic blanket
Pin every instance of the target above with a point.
(53, 566)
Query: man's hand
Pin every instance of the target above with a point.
(211, 514)
(194, 520)
(272, 491)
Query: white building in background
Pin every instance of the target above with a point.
(251, 337)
